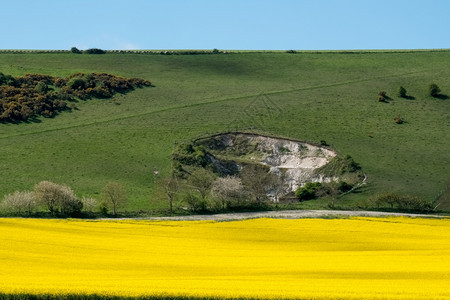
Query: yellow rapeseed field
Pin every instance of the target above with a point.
(375, 258)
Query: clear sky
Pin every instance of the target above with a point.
(225, 24)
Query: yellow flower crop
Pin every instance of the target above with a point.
(375, 258)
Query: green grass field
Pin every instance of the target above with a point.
(307, 96)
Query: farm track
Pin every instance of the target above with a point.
(284, 214)
(232, 98)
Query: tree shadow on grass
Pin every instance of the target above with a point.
(442, 97)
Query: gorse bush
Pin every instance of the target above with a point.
(399, 120)
(191, 155)
(33, 95)
(76, 83)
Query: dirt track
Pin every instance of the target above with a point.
(291, 214)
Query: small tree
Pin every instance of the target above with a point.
(258, 181)
(442, 201)
(228, 190)
(401, 92)
(171, 186)
(201, 180)
(114, 194)
(434, 90)
(331, 190)
(57, 197)
(19, 202)
(47, 194)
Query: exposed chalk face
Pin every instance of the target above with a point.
(293, 161)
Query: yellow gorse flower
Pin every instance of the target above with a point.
(385, 258)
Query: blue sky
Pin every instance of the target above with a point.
(225, 24)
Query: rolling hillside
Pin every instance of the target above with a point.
(314, 97)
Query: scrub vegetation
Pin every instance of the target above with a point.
(32, 95)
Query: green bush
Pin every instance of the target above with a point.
(401, 92)
(195, 202)
(189, 154)
(41, 87)
(95, 51)
(75, 50)
(434, 90)
(308, 191)
(76, 83)
(343, 186)
(7, 79)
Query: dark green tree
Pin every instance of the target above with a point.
(75, 50)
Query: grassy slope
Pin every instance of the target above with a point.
(313, 97)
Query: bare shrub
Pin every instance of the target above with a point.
(400, 201)
(169, 187)
(114, 194)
